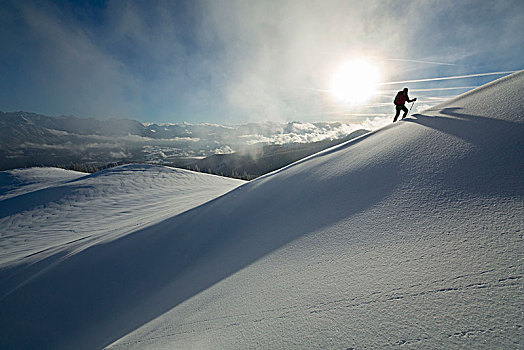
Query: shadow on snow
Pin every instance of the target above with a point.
(494, 165)
(94, 297)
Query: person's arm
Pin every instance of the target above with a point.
(413, 100)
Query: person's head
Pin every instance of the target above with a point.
(405, 91)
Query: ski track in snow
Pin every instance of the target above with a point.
(350, 305)
(45, 208)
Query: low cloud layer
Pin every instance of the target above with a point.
(32, 139)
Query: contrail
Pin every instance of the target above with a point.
(378, 58)
(432, 89)
(417, 61)
(447, 78)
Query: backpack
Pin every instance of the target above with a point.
(400, 93)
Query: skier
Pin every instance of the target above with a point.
(401, 98)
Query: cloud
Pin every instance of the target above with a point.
(296, 132)
(119, 155)
(276, 51)
(69, 65)
(70, 146)
(232, 61)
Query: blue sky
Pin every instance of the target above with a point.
(231, 62)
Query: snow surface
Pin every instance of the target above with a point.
(410, 236)
(43, 209)
(21, 181)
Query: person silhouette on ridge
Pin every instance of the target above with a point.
(401, 98)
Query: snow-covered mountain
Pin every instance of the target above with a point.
(411, 236)
(29, 139)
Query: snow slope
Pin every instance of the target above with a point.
(21, 181)
(43, 209)
(408, 236)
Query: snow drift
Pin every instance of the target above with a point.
(411, 235)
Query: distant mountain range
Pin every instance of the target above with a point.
(260, 160)
(245, 151)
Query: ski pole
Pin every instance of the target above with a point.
(410, 108)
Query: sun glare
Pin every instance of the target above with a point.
(354, 82)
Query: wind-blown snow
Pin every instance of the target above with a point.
(45, 208)
(411, 235)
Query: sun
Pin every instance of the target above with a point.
(355, 82)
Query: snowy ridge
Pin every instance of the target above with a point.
(48, 208)
(21, 181)
(408, 236)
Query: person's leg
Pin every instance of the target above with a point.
(397, 108)
(405, 109)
